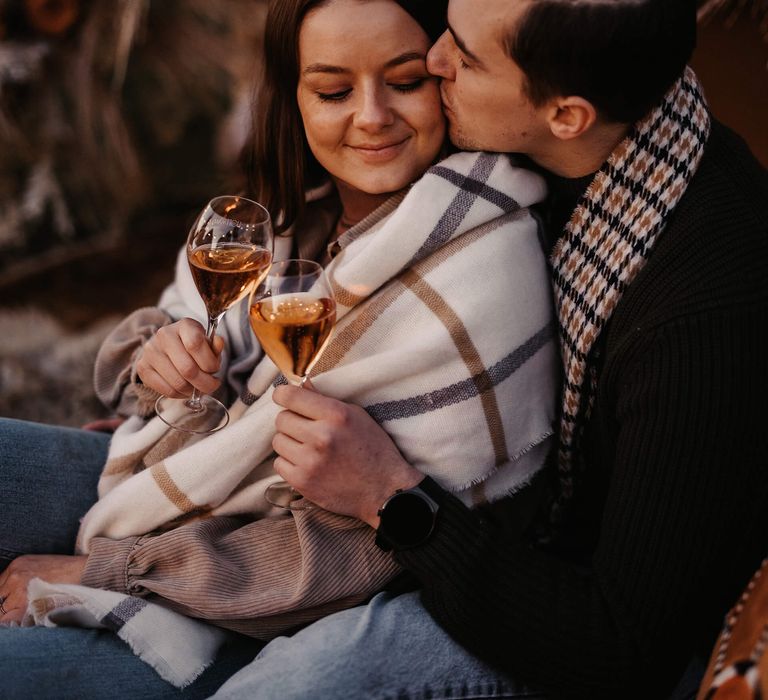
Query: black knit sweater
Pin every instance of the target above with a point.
(670, 517)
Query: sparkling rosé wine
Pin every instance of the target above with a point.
(293, 329)
(225, 274)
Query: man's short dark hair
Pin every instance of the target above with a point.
(621, 55)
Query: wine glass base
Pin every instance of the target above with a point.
(282, 495)
(180, 415)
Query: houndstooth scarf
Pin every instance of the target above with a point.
(610, 237)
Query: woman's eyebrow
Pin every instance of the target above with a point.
(406, 57)
(323, 68)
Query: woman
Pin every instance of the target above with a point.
(420, 257)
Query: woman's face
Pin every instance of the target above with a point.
(371, 112)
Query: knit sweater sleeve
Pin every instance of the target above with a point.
(259, 578)
(114, 376)
(683, 524)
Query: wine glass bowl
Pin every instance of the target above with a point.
(292, 314)
(229, 250)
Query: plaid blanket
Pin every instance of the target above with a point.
(445, 336)
(177, 647)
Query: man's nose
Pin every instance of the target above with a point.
(438, 62)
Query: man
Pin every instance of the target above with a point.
(659, 221)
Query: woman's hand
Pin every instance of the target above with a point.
(179, 358)
(53, 568)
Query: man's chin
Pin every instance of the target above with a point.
(462, 141)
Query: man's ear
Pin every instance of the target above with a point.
(570, 117)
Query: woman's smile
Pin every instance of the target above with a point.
(370, 110)
(380, 152)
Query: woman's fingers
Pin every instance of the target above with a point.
(18, 574)
(178, 358)
(192, 336)
(158, 371)
(156, 382)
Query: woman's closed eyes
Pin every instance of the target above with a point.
(341, 95)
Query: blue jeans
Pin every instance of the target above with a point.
(388, 649)
(48, 478)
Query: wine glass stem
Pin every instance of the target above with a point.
(194, 403)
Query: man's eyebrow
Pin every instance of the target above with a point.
(460, 43)
(403, 58)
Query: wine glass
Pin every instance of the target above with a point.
(292, 313)
(229, 249)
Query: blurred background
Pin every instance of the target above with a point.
(119, 119)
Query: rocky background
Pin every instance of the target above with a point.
(120, 118)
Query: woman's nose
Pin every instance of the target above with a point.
(374, 111)
(438, 61)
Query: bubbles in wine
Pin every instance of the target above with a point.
(293, 330)
(226, 273)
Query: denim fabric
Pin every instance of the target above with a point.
(48, 478)
(390, 649)
(77, 664)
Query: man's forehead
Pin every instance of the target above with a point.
(491, 21)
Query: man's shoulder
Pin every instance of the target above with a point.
(730, 178)
(713, 251)
(727, 199)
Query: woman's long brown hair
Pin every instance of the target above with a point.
(278, 160)
(281, 164)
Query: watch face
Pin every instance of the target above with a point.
(408, 519)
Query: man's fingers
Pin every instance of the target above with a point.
(283, 468)
(309, 404)
(287, 448)
(296, 426)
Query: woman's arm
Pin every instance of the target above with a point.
(115, 377)
(261, 578)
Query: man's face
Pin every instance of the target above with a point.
(482, 88)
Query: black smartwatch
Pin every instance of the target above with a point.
(408, 516)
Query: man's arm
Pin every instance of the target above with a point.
(336, 455)
(683, 524)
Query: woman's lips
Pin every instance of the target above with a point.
(379, 153)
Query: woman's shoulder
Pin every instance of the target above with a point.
(492, 176)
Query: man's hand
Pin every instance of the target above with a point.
(179, 358)
(49, 567)
(336, 455)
